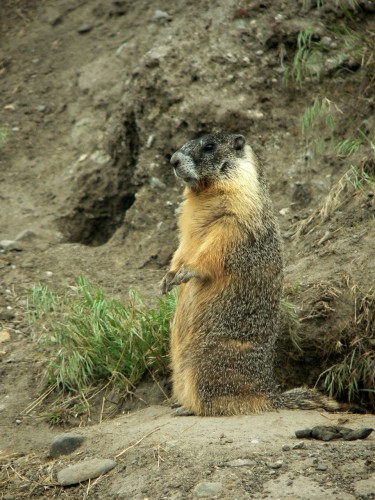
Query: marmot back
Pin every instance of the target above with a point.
(229, 268)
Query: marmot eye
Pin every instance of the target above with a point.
(209, 147)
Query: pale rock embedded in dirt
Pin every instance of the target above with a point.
(161, 16)
(65, 444)
(207, 489)
(26, 234)
(10, 245)
(240, 462)
(84, 28)
(299, 446)
(4, 336)
(87, 469)
(275, 465)
(321, 467)
(157, 183)
(6, 314)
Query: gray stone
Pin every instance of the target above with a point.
(157, 183)
(299, 446)
(87, 469)
(10, 245)
(240, 462)
(6, 314)
(206, 489)
(65, 444)
(26, 234)
(84, 28)
(274, 465)
(161, 15)
(321, 467)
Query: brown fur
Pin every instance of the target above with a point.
(229, 270)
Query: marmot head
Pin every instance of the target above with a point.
(206, 160)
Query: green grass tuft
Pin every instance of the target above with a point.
(290, 311)
(353, 376)
(99, 340)
(308, 59)
(3, 135)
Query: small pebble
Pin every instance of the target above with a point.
(157, 183)
(65, 444)
(4, 336)
(10, 245)
(285, 447)
(206, 489)
(26, 234)
(85, 28)
(299, 446)
(161, 15)
(275, 465)
(321, 467)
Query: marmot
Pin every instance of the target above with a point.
(230, 271)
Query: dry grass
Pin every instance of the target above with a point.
(354, 182)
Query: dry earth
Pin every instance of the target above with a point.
(96, 96)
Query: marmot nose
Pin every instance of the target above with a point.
(175, 160)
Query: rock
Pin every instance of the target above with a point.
(87, 469)
(274, 465)
(206, 489)
(321, 467)
(326, 41)
(100, 157)
(362, 433)
(285, 447)
(330, 432)
(10, 245)
(26, 234)
(157, 183)
(161, 16)
(84, 28)
(240, 462)
(303, 433)
(4, 336)
(6, 314)
(150, 141)
(299, 446)
(65, 444)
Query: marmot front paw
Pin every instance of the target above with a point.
(167, 282)
(183, 275)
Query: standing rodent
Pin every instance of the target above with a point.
(229, 268)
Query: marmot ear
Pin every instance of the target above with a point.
(239, 142)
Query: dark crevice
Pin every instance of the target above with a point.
(103, 195)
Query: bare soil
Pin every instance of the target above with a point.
(96, 96)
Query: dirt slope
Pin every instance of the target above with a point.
(95, 97)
